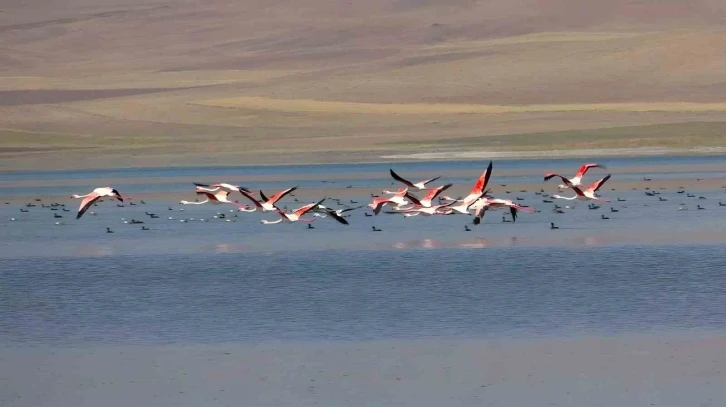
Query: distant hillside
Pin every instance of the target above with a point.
(173, 80)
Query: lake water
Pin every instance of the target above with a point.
(353, 295)
(649, 267)
(212, 308)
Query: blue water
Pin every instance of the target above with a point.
(362, 295)
(650, 267)
(323, 169)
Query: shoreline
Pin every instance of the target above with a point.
(391, 157)
(588, 370)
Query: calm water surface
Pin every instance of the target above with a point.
(197, 278)
(361, 294)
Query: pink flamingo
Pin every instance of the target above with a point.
(586, 195)
(93, 196)
(577, 179)
(485, 203)
(267, 204)
(476, 192)
(295, 215)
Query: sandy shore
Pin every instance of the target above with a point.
(648, 370)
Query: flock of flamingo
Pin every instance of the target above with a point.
(402, 201)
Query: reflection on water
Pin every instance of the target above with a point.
(511, 291)
(91, 251)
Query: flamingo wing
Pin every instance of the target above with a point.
(412, 198)
(483, 180)
(564, 179)
(117, 195)
(251, 198)
(433, 193)
(337, 217)
(86, 203)
(479, 214)
(581, 172)
(430, 180)
(378, 205)
(351, 209)
(279, 195)
(305, 209)
(597, 184)
(399, 179)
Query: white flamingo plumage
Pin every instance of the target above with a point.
(295, 215)
(476, 192)
(220, 196)
(223, 185)
(267, 204)
(485, 204)
(577, 179)
(93, 196)
(432, 194)
(584, 195)
(399, 200)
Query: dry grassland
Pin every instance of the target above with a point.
(114, 83)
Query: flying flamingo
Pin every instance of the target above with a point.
(442, 209)
(221, 196)
(409, 184)
(577, 179)
(432, 194)
(295, 215)
(476, 192)
(586, 195)
(93, 196)
(223, 185)
(336, 214)
(485, 203)
(399, 199)
(267, 204)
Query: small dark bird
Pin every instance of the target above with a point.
(376, 229)
(108, 230)
(552, 226)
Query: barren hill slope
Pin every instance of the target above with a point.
(309, 80)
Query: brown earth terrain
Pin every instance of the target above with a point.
(115, 83)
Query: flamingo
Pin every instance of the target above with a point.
(484, 204)
(183, 202)
(220, 196)
(476, 192)
(268, 204)
(586, 195)
(409, 184)
(442, 209)
(93, 196)
(577, 179)
(295, 215)
(337, 214)
(332, 213)
(223, 185)
(399, 199)
(432, 194)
